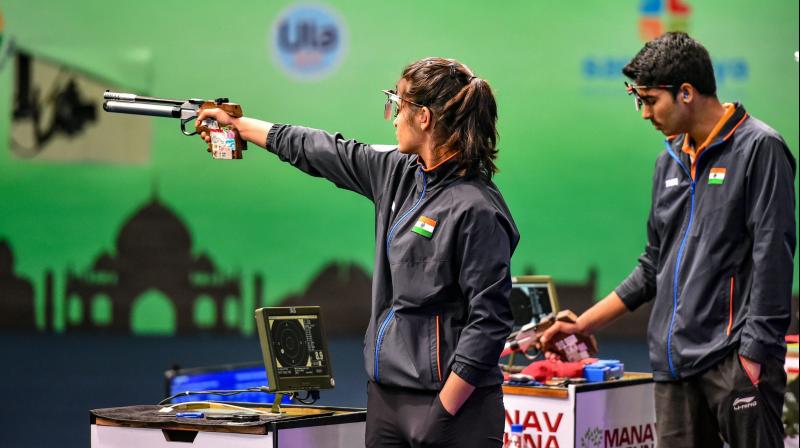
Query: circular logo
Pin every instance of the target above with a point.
(308, 41)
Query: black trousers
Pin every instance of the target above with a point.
(722, 404)
(398, 417)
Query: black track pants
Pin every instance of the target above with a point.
(399, 417)
(722, 404)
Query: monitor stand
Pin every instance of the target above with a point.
(276, 405)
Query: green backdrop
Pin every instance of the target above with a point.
(575, 159)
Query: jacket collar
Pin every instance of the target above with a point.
(733, 117)
(724, 131)
(739, 116)
(440, 175)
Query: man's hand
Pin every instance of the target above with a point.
(752, 368)
(596, 317)
(557, 331)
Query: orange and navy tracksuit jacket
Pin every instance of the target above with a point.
(719, 258)
(443, 250)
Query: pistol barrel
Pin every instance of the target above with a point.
(109, 95)
(132, 97)
(154, 110)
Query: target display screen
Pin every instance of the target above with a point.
(294, 348)
(298, 346)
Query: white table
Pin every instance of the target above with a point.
(615, 414)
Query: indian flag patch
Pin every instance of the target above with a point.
(717, 176)
(424, 226)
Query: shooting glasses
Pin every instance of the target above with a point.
(633, 89)
(392, 106)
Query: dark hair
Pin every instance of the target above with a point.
(463, 109)
(673, 59)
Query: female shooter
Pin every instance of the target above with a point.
(441, 283)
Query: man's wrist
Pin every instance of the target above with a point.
(582, 324)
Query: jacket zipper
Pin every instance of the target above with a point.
(405, 215)
(678, 260)
(389, 237)
(380, 340)
(730, 309)
(438, 356)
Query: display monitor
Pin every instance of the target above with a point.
(533, 297)
(220, 377)
(294, 348)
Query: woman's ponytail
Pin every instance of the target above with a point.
(464, 110)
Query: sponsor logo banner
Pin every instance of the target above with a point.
(308, 41)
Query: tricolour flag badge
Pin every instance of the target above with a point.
(424, 226)
(717, 176)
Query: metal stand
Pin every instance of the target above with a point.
(276, 405)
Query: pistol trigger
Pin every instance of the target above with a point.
(183, 126)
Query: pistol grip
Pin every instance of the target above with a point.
(241, 145)
(204, 128)
(235, 111)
